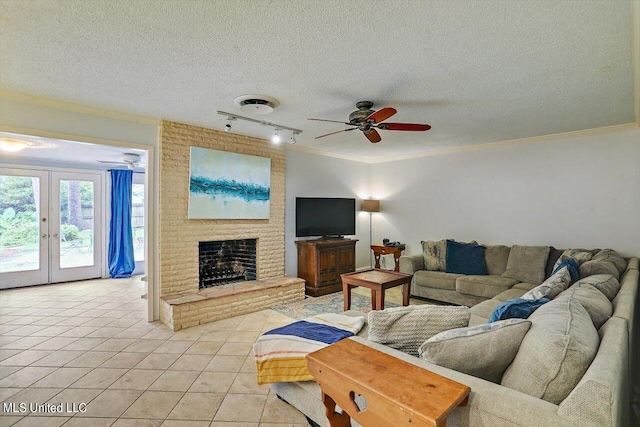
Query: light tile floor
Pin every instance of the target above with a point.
(89, 342)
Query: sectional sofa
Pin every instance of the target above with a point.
(601, 398)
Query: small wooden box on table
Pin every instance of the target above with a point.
(397, 393)
(378, 281)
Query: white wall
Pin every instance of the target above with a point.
(310, 175)
(569, 193)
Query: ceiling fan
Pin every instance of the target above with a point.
(366, 120)
(130, 159)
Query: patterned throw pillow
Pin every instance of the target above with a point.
(435, 255)
(406, 328)
(572, 266)
(580, 255)
(550, 288)
(484, 351)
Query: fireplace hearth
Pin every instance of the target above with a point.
(226, 261)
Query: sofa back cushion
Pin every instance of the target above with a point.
(605, 283)
(406, 328)
(465, 258)
(555, 353)
(434, 254)
(612, 256)
(527, 263)
(594, 301)
(598, 266)
(483, 351)
(495, 258)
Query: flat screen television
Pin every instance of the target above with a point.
(325, 217)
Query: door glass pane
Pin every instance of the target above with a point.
(137, 222)
(19, 223)
(76, 223)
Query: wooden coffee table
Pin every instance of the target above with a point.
(397, 393)
(378, 281)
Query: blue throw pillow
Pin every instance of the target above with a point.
(516, 308)
(465, 258)
(572, 266)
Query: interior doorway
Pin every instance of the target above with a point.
(50, 226)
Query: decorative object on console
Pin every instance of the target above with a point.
(371, 206)
(484, 351)
(516, 308)
(406, 328)
(465, 258)
(226, 185)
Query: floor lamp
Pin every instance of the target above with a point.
(371, 206)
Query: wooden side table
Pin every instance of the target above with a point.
(396, 251)
(378, 281)
(397, 393)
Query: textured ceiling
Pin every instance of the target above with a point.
(477, 71)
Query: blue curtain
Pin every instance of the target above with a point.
(121, 262)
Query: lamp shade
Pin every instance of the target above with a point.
(371, 205)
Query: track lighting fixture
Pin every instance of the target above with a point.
(276, 136)
(277, 129)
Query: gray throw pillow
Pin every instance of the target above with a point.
(579, 255)
(550, 288)
(406, 328)
(594, 301)
(605, 283)
(484, 351)
(555, 353)
(435, 255)
(526, 263)
(496, 258)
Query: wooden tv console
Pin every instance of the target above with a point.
(321, 262)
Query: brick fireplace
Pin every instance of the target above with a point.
(226, 261)
(184, 303)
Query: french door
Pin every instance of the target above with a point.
(50, 227)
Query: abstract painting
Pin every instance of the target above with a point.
(226, 185)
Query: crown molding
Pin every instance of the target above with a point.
(318, 152)
(76, 108)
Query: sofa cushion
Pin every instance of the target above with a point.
(484, 351)
(483, 286)
(465, 258)
(555, 353)
(509, 294)
(579, 255)
(434, 254)
(551, 287)
(594, 301)
(517, 308)
(614, 257)
(605, 283)
(436, 279)
(554, 254)
(524, 286)
(485, 309)
(599, 266)
(406, 328)
(526, 263)
(495, 258)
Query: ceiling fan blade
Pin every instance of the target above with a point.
(111, 163)
(403, 126)
(333, 133)
(381, 115)
(373, 136)
(332, 121)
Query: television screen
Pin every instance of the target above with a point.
(316, 216)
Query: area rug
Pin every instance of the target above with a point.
(332, 303)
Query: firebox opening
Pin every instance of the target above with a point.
(226, 261)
